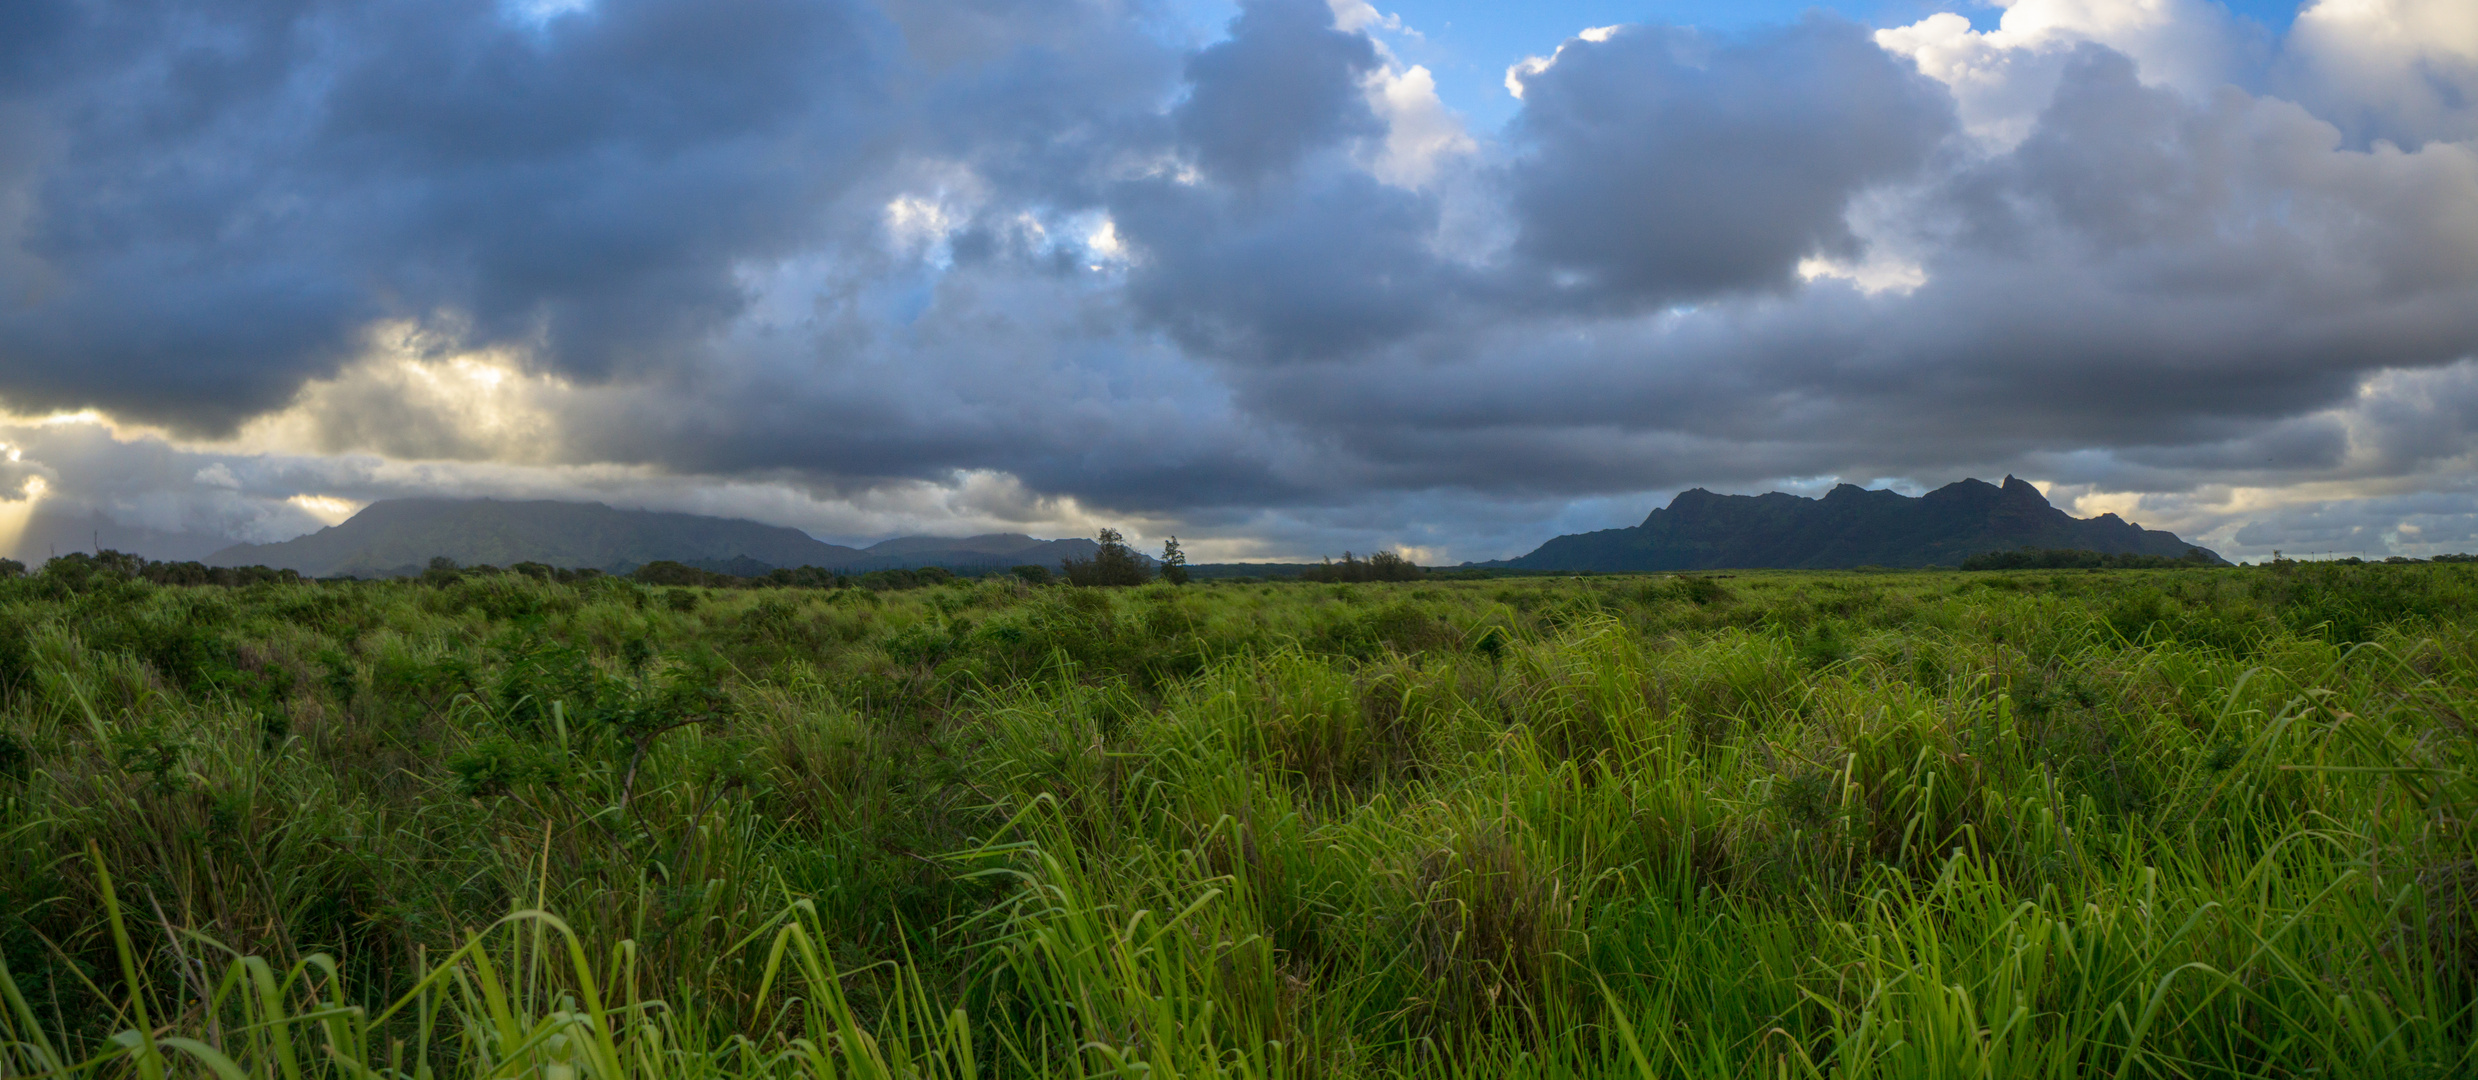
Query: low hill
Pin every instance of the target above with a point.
(987, 551)
(396, 534)
(1849, 526)
(400, 536)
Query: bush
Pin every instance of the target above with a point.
(667, 572)
(919, 577)
(2077, 559)
(806, 577)
(1695, 589)
(80, 571)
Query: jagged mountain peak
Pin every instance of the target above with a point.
(1848, 526)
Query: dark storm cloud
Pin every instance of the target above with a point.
(1660, 165)
(594, 182)
(1318, 270)
(1286, 83)
(2183, 281)
(1277, 246)
(1651, 167)
(1039, 370)
(240, 188)
(2145, 266)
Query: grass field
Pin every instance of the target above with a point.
(2051, 824)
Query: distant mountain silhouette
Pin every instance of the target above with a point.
(400, 536)
(1849, 526)
(49, 532)
(988, 550)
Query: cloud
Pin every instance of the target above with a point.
(1041, 264)
(1285, 83)
(261, 181)
(2002, 78)
(2405, 71)
(1534, 65)
(1420, 132)
(1658, 166)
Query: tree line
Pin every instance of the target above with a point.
(1114, 563)
(2077, 559)
(76, 569)
(1381, 566)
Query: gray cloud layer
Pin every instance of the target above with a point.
(847, 247)
(234, 190)
(1658, 165)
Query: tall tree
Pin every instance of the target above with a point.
(1174, 562)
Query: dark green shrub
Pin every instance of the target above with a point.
(667, 572)
(1696, 589)
(2075, 559)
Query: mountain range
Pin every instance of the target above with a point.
(1850, 526)
(401, 536)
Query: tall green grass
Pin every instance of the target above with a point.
(2039, 824)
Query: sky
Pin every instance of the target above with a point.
(1468, 44)
(1283, 278)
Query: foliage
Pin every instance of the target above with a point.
(670, 572)
(666, 572)
(1174, 562)
(915, 578)
(2131, 822)
(2069, 559)
(1114, 564)
(1382, 566)
(82, 571)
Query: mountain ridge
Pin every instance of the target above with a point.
(393, 536)
(1849, 526)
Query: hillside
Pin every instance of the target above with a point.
(1849, 526)
(987, 551)
(402, 535)
(398, 534)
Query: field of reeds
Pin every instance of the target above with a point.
(2195, 822)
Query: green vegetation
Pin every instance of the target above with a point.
(1112, 563)
(1174, 562)
(1382, 566)
(2126, 823)
(2073, 559)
